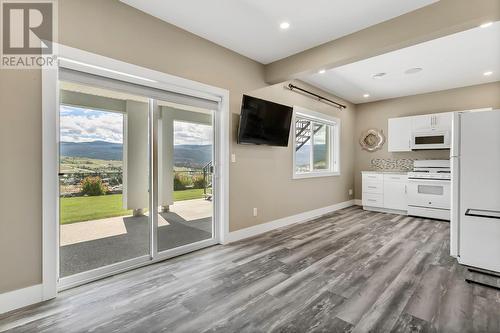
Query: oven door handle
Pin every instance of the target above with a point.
(483, 213)
(420, 180)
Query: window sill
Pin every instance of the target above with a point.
(314, 175)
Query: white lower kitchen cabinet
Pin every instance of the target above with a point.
(385, 191)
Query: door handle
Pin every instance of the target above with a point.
(489, 214)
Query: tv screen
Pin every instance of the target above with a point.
(264, 123)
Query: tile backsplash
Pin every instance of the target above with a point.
(403, 164)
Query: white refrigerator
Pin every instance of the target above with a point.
(475, 209)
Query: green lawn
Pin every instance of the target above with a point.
(80, 209)
(188, 194)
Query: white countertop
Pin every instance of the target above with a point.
(387, 171)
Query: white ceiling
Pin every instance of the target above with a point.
(251, 27)
(453, 61)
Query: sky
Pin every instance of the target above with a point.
(85, 125)
(192, 134)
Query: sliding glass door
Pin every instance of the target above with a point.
(185, 168)
(136, 180)
(104, 178)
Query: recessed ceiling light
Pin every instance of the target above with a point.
(413, 70)
(322, 71)
(366, 95)
(486, 25)
(488, 73)
(379, 75)
(284, 25)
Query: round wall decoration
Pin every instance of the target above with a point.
(372, 140)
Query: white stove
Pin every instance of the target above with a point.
(431, 169)
(429, 193)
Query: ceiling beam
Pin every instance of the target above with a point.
(440, 19)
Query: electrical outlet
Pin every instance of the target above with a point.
(350, 191)
(233, 158)
(255, 212)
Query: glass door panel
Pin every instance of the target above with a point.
(185, 167)
(104, 178)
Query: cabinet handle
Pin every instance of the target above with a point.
(406, 189)
(489, 214)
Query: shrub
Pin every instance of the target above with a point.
(179, 182)
(93, 186)
(199, 181)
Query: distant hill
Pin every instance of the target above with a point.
(99, 150)
(303, 155)
(190, 156)
(193, 156)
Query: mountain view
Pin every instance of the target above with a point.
(302, 156)
(99, 150)
(189, 156)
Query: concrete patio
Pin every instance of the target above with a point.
(93, 244)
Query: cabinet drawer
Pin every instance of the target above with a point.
(373, 176)
(373, 200)
(395, 178)
(373, 187)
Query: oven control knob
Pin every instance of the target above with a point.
(430, 203)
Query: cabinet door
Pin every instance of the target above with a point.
(422, 123)
(399, 135)
(442, 121)
(395, 196)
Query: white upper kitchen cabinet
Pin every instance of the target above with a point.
(429, 122)
(422, 123)
(399, 134)
(442, 121)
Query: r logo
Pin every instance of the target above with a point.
(27, 27)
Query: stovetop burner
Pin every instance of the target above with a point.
(431, 169)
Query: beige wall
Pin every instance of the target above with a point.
(20, 179)
(112, 29)
(376, 114)
(262, 176)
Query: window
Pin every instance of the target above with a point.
(316, 144)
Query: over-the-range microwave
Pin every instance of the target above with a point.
(430, 140)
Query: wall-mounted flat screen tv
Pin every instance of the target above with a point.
(264, 123)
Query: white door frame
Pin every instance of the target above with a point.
(87, 62)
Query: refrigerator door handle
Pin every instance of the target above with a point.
(489, 214)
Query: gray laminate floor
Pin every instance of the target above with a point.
(352, 271)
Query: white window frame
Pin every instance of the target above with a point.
(86, 62)
(334, 143)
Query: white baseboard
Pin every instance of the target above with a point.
(19, 298)
(283, 222)
(358, 202)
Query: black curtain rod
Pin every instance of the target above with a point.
(320, 98)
